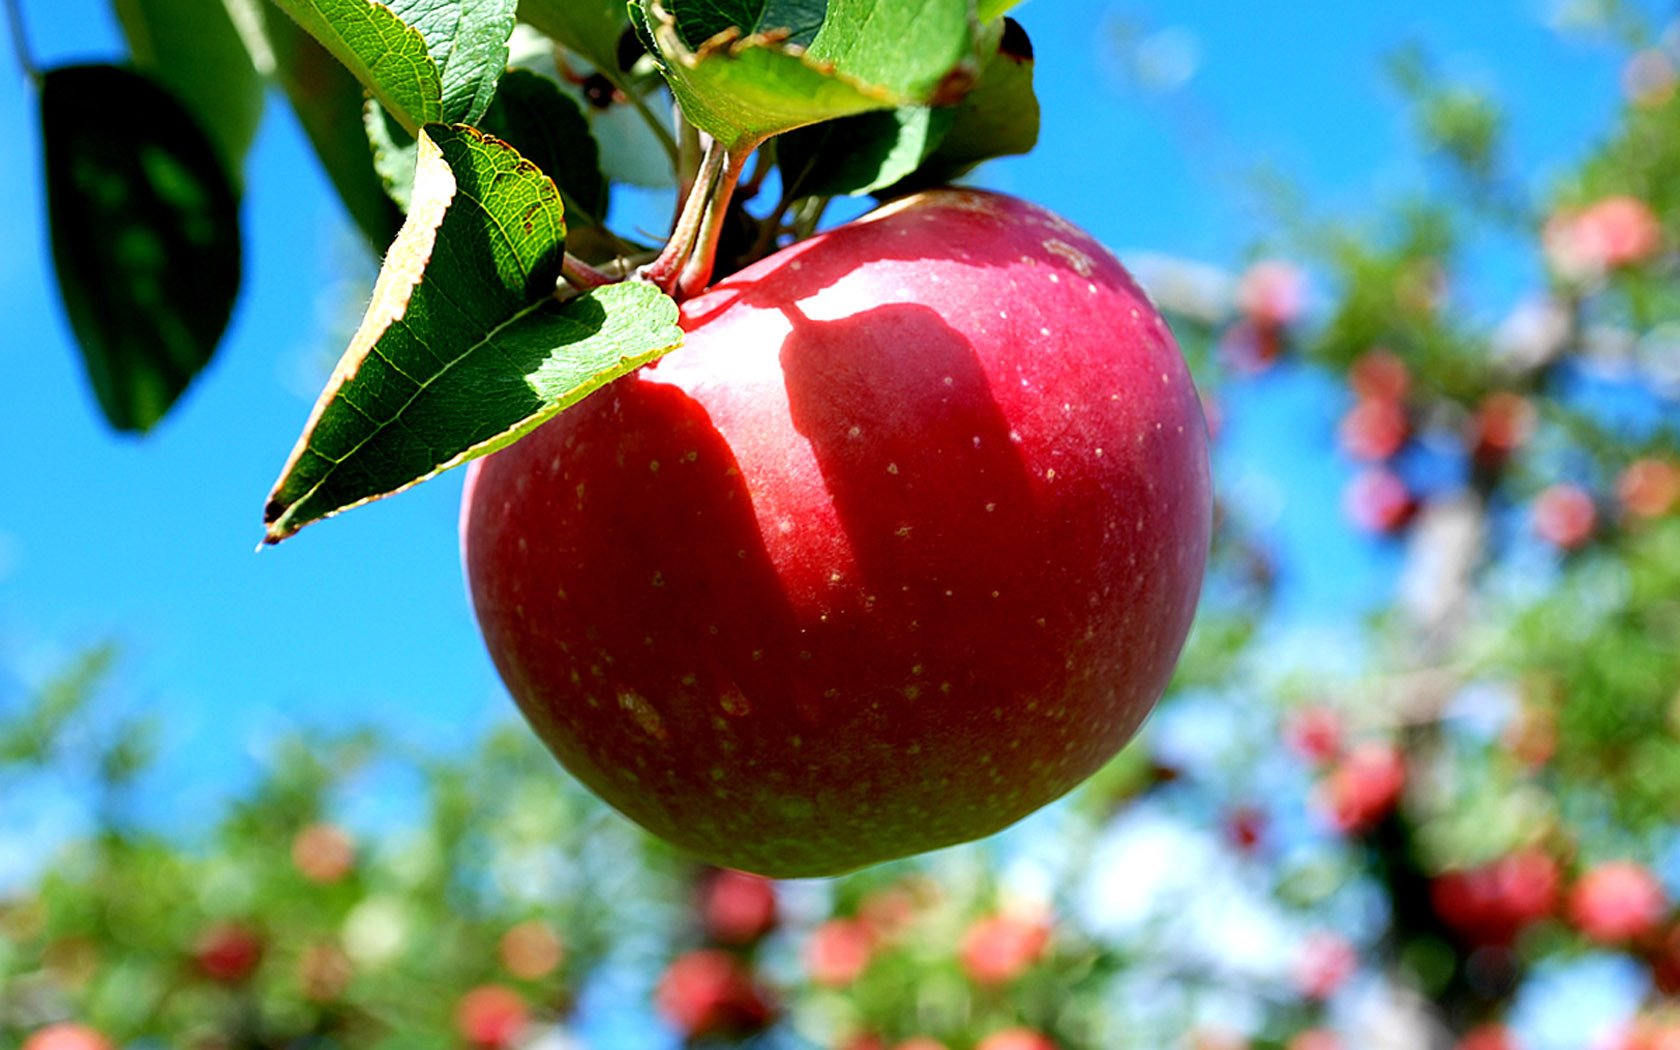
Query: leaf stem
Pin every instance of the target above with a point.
(20, 42)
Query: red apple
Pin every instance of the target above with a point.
(1381, 375)
(1325, 963)
(709, 992)
(1016, 1039)
(1649, 487)
(323, 853)
(1614, 232)
(1314, 733)
(1493, 903)
(1363, 787)
(1379, 500)
(1616, 902)
(1503, 422)
(999, 948)
(902, 545)
(67, 1035)
(1564, 516)
(1488, 1037)
(228, 952)
(1374, 429)
(492, 1016)
(839, 951)
(531, 950)
(737, 908)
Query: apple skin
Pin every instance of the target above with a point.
(901, 545)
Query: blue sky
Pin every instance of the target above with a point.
(150, 542)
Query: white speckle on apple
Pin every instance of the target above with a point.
(892, 468)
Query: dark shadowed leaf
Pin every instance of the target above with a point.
(145, 236)
(464, 348)
(328, 101)
(859, 154)
(194, 48)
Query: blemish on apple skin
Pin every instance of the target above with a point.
(644, 714)
(892, 468)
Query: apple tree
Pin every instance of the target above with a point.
(811, 549)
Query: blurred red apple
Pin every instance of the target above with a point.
(1613, 232)
(67, 1035)
(1493, 903)
(710, 992)
(493, 1016)
(1649, 487)
(1363, 787)
(1488, 1037)
(1314, 733)
(228, 952)
(902, 545)
(1378, 500)
(1564, 516)
(1325, 963)
(838, 951)
(1016, 1039)
(323, 853)
(1381, 375)
(1616, 902)
(736, 908)
(1374, 429)
(531, 950)
(999, 948)
(1503, 422)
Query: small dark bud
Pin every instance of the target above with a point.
(598, 91)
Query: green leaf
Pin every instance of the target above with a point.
(547, 127)
(145, 236)
(194, 48)
(859, 154)
(468, 42)
(916, 147)
(389, 56)
(394, 152)
(328, 102)
(998, 117)
(590, 28)
(800, 19)
(464, 348)
(869, 54)
(990, 9)
(529, 113)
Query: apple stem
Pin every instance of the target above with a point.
(664, 270)
(697, 269)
